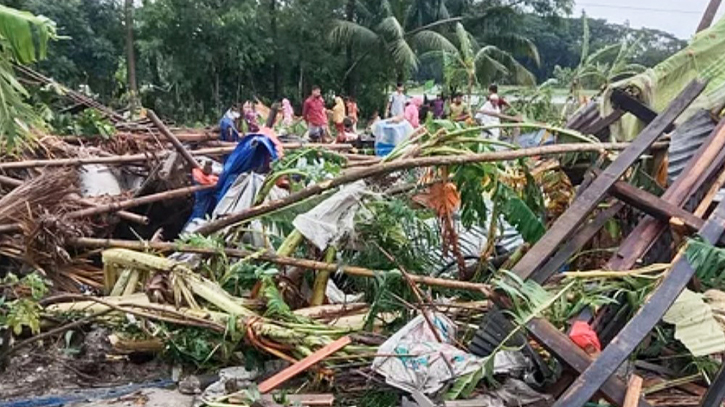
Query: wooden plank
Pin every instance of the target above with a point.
(304, 364)
(557, 343)
(604, 123)
(709, 15)
(573, 245)
(626, 102)
(589, 382)
(654, 205)
(564, 227)
(634, 391)
(708, 159)
(716, 393)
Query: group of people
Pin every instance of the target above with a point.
(417, 110)
(344, 114)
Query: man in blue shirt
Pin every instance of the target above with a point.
(228, 125)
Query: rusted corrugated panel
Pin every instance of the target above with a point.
(686, 139)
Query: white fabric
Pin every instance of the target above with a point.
(486, 120)
(333, 218)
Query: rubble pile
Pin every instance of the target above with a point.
(456, 270)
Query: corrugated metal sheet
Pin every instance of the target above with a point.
(695, 324)
(686, 139)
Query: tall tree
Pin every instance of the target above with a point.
(385, 37)
(25, 40)
(472, 63)
(130, 57)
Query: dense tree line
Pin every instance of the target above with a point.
(193, 58)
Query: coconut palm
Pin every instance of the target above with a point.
(23, 39)
(381, 32)
(471, 63)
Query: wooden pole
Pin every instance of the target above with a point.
(388, 167)
(129, 216)
(170, 136)
(709, 15)
(117, 206)
(272, 258)
(132, 158)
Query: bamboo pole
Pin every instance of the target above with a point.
(129, 216)
(272, 258)
(117, 206)
(172, 139)
(135, 158)
(402, 164)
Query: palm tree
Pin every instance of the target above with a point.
(381, 32)
(23, 40)
(471, 63)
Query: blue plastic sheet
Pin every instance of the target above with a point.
(253, 153)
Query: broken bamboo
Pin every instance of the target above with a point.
(272, 258)
(117, 206)
(172, 139)
(388, 167)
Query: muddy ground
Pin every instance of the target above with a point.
(56, 368)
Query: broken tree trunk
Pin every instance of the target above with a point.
(173, 140)
(388, 167)
(642, 323)
(272, 258)
(577, 213)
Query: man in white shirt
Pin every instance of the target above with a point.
(396, 104)
(489, 115)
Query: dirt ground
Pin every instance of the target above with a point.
(54, 369)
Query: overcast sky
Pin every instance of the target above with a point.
(679, 17)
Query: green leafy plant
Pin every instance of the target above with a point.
(19, 302)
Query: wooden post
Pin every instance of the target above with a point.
(642, 323)
(304, 364)
(170, 136)
(117, 206)
(709, 15)
(577, 213)
(634, 392)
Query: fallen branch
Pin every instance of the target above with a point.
(388, 167)
(272, 258)
(172, 139)
(129, 203)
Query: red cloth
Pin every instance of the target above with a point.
(203, 179)
(584, 336)
(314, 111)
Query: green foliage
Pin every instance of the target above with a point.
(19, 302)
(519, 214)
(708, 262)
(89, 123)
(401, 230)
(202, 347)
(465, 385)
(23, 39)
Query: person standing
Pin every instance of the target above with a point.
(288, 112)
(315, 115)
(338, 115)
(458, 109)
(439, 107)
(228, 125)
(489, 116)
(250, 117)
(396, 104)
(412, 111)
(352, 110)
(493, 93)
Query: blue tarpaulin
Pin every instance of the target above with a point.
(253, 153)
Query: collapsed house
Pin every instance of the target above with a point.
(451, 271)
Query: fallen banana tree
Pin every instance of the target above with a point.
(272, 258)
(126, 270)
